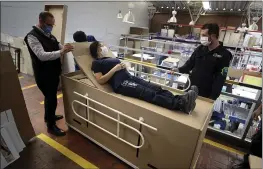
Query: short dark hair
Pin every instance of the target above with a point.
(80, 36)
(213, 28)
(44, 15)
(94, 49)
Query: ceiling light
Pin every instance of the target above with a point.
(206, 5)
(192, 23)
(217, 9)
(129, 18)
(224, 9)
(167, 7)
(178, 7)
(239, 9)
(184, 7)
(173, 7)
(162, 7)
(173, 18)
(119, 15)
(231, 9)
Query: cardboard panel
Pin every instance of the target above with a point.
(139, 31)
(236, 73)
(60, 15)
(255, 162)
(200, 140)
(107, 140)
(84, 61)
(174, 144)
(11, 96)
(178, 141)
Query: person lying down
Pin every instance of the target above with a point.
(113, 71)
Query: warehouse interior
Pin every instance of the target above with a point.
(107, 129)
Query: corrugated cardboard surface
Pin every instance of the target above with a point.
(255, 162)
(105, 139)
(179, 137)
(11, 96)
(139, 31)
(235, 73)
(175, 144)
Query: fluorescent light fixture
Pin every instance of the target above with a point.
(206, 5)
(119, 15)
(129, 18)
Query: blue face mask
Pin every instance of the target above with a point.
(48, 29)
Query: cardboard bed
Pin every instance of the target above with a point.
(139, 133)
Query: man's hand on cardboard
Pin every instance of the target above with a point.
(66, 48)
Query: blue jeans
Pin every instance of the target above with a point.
(149, 92)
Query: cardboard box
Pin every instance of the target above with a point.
(255, 162)
(11, 96)
(235, 73)
(175, 144)
(139, 30)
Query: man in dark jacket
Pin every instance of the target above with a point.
(208, 65)
(46, 53)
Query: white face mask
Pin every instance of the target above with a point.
(104, 51)
(204, 41)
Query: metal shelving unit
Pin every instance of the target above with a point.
(233, 113)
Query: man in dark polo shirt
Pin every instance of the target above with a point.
(208, 65)
(46, 53)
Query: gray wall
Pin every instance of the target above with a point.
(94, 18)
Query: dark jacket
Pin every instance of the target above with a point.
(208, 70)
(49, 44)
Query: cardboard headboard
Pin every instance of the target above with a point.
(84, 60)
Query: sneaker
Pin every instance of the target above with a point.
(195, 89)
(189, 101)
(56, 131)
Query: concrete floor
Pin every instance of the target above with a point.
(39, 155)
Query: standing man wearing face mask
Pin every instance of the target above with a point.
(208, 64)
(46, 53)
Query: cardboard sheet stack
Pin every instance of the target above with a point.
(16, 127)
(11, 142)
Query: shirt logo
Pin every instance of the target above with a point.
(129, 84)
(217, 55)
